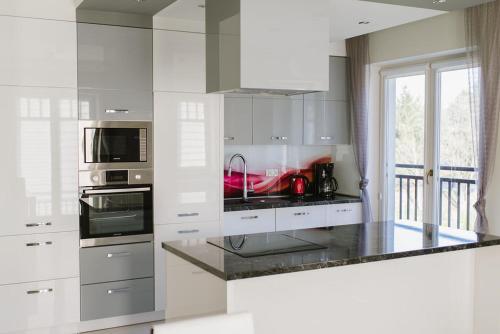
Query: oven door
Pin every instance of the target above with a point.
(110, 216)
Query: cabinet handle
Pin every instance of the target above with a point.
(120, 290)
(326, 138)
(188, 231)
(301, 214)
(38, 224)
(228, 138)
(279, 138)
(192, 214)
(35, 244)
(116, 111)
(34, 292)
(118, 254)
(344, 210)
(250, 217)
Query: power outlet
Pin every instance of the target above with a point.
(272, 172)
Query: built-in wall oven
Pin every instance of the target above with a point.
(115, 145)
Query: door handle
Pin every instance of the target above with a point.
(430, 173)
(120, 290)
(116, 111)
(38, 224)
(118, 254)
(35, 244)
(34, 292)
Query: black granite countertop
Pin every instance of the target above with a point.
(342, 245)
(258, 203)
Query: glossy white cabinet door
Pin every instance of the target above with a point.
(303, 217)
(179, 61)
(38, 257)
(344, 214)
(46, 9)
(238, 120)
(249, 222)
(39, 304)
(37, 52)
(39, 145)
(188, 171)
(163, 233)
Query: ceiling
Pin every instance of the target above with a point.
(145, 7)
(446, 5)
(345, 15)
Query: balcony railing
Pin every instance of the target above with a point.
(456, 196)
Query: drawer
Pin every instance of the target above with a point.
(111, 105)
(114, 263)
(117, 298)
(344, 214)
(300, 217)
(248, 222)
(37, 257)
(189, 231)
(39, 304)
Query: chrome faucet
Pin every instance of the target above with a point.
(230, 169)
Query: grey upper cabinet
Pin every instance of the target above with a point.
(326, 122)
(112, 57)
(338, 82)
(115, 72)
(278, 120)
(237, 120)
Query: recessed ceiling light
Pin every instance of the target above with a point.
(364, 22)
(139, 1)
(437, 2)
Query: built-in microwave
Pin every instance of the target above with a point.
(106, 145)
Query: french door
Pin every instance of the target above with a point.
(429, 170)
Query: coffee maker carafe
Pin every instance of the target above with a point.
(325, 185)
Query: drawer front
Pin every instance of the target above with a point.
(300, 217)
(38, 257)
(119, 105)
(114, 263)
(248, 222)
(344, 214)
(191, 231)
(117, 298)
(39, 304)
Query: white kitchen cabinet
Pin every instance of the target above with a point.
(39, 304)
(113, 57)
(326, 122)
(249, 222)
(188, 164)
(278, 121)
(301, 217)
(119, 105)
(37, 52)
(344, 214)
(38, 257)
(39, 176)
(171, 232)
(47, 9)
(179, 61)
(237, 120)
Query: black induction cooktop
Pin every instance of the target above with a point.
(255, 245)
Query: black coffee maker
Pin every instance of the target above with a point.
(325, 185)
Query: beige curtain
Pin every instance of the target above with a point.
(359, 77)
(483, 44)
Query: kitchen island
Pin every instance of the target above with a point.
(402, 278)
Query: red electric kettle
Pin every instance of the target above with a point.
(298, 185)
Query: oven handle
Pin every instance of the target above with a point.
(111, 218)
(116, 191)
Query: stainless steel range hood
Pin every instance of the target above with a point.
(278, 47)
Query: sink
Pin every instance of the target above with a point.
(255, 200)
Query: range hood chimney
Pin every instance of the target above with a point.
(278, 47)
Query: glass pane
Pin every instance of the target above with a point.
(457, 185)
(407, 100)
(116, 214)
